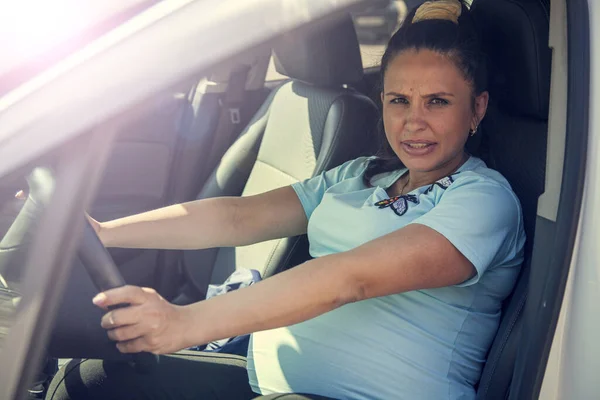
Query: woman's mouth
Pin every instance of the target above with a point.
(418, 148)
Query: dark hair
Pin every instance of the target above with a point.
(459, 41)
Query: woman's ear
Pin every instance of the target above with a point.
(481, 103)
(381, 94)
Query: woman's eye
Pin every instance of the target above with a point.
(399, 100)
(439, 102)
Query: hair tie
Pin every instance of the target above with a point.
(448, 10)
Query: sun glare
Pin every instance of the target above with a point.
(29, 28)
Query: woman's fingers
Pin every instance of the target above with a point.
(126, 333)
(148, 323)
(132, 295)
(121, 317)
(150, 344)
(133, 346)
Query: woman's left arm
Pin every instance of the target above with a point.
(411, 258)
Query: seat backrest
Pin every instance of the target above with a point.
(311, 123)
(515, 38)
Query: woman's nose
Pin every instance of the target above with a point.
(415, 120)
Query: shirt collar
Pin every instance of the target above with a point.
(387, 179)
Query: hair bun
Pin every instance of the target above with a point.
(448, 10)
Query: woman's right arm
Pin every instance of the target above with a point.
(213, 222)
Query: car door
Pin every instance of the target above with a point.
(49, 123)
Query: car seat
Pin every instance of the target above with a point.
(309, 124)
(515, 129)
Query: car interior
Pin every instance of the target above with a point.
(235, 132)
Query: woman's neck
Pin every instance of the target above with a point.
(415, 179)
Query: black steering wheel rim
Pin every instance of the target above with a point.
(96, 260)
(14, 244)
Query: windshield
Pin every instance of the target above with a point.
(35, 34)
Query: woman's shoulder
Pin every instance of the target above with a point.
(353, 168)
(476, 170)
(361, 162)
(475, 175)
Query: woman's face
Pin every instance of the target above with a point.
(428, 110)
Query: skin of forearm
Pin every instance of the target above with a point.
(200, 224)
(184, 226)
(309, 290)
(214, 222)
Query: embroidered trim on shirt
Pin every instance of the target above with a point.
(399, 204)
(444, 183)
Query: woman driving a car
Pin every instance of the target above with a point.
(414, 251)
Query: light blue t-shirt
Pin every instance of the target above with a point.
(423, 344)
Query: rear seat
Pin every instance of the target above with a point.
(311, 123)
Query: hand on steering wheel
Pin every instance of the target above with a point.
(92, 253)
(149, 323)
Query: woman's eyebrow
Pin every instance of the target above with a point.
(396, 94)
(438, 94)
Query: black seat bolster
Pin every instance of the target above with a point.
(497, 373)
(232, 173)
(350, 131)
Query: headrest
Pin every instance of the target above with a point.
(515, 38)
(326, 55)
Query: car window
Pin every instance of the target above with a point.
(272, 73)
(375, 23)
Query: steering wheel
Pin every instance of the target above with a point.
(14, 245)
(93, 255)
